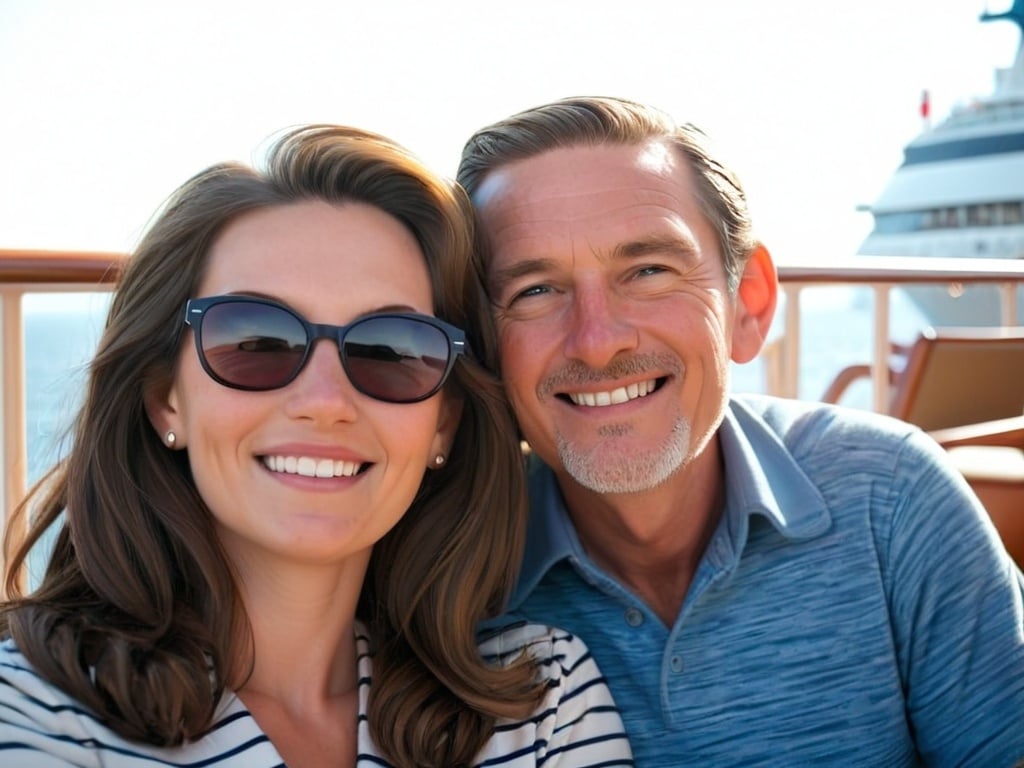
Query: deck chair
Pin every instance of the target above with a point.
(965, 386)
(951, 377)
(990, 455)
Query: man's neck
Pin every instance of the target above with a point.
(653, 541)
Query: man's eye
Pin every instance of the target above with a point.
(526, 293)
(650, 269)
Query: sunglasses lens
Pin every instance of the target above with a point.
(252, 346)
(396, 359)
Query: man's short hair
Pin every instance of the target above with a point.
(594, 120)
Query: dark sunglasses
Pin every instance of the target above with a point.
(255, 344)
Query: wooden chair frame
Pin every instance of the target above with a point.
(952, 377)
(966, 387)
(1000, 485)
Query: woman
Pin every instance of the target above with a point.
(211, 598)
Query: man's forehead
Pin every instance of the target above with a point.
(567, 170)
(603, 192)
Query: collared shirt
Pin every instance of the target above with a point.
(854, 607)
(576, 724)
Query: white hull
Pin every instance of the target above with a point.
(956, 305)
(966, 306)
(960, 194)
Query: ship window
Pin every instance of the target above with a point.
(909, 221)
(1012, 213)
(980, 215)
(948, 218)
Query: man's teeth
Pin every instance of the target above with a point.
(615, 396)
(309, 467)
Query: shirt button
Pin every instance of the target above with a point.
(634, 618)
(677, 664)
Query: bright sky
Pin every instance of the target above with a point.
(107, 105)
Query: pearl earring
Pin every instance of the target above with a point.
(439, 460)
(170, 438)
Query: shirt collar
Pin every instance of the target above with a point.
(761, 476)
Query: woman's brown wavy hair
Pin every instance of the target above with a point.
(137, 605)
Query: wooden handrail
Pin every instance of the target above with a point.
(26, 267)
(903, 270)
(39, 267)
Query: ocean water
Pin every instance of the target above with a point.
(61, 335)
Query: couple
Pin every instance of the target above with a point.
(255, 530)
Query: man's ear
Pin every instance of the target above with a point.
(756, 298)
(162, 409)
(447, 424)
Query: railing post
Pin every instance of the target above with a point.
(12, 412)
(791, 342)
(880, 362)
(1008, 303)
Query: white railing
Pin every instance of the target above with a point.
(30, 272)
(21, 273)
(881, 274)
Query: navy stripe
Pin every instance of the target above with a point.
(54, 708)
(599, 710)
(362, 757)
(585, 686)
(224, 722)
(592, 741)
(964, 148)
(138, 755)
(527, 750)
(243, 747)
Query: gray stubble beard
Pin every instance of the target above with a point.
(620, 473)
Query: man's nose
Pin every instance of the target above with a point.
(599, 327)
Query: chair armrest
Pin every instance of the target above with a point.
(837, 388)
(851, 373)
(1007, 433)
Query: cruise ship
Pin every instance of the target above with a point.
(959, 193)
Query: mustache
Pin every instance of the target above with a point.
(575, 373)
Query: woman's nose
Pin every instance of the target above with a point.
(322, 390)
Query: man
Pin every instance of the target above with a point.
(763, 582)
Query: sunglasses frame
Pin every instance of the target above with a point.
(195, 310)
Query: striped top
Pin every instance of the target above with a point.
(576, 724)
